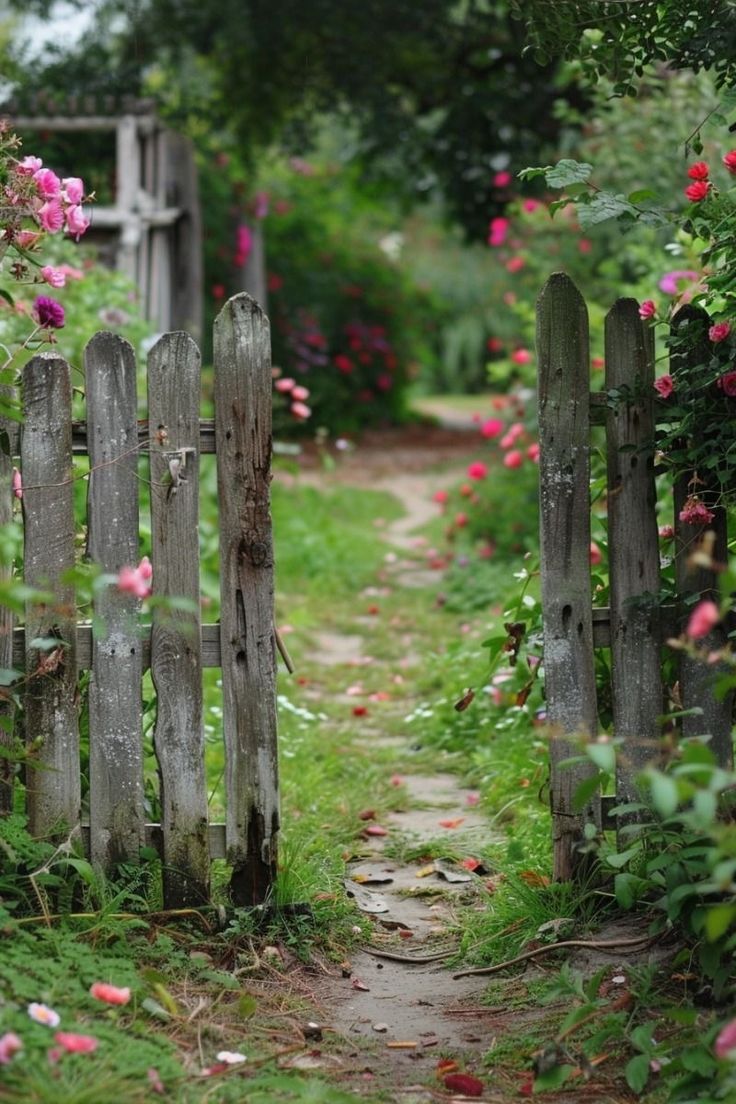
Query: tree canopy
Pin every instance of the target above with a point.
(432, 96)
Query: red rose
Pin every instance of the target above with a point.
(698, 171)
(729, 161)
(697, 191)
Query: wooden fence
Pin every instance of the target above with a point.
(176, 646)
(636, 625)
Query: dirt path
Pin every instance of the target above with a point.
(403, 1016)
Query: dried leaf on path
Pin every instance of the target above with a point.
(364, 899)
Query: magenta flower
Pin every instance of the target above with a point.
(53, 276)
(497, 231)
(477, 470)
(670, 281)
(51, 215)
(729, 160)
(48, 183)
(719, 332)
(73, 190)
(648, 309)
(135, 581)
(521, 356)
(492, 427)
(30, 165)
(76, 223)
(704, 617)
(49, 313)
(664, 386)
(502, 180)
(513, 459)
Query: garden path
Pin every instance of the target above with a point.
(398, 1018)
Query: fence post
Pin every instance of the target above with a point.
(116, 818)
(633, 545)
(564, 482)
(176, 650)
(53, 787)
(697, 678)
(243, 385)
(7, 620)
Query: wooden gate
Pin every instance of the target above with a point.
(175, 646)
(636, 625)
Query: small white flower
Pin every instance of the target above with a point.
(42, 1014)
(230, 1057)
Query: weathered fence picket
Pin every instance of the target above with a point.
(564, 479)
(636, 625)
(115, 647)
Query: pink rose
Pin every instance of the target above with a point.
(285, 385)
(666, 532)
(76, 223)
(502, 180)
(30, 165)
(73, 1043)
(497, 230)
(596, 556)
(648, 309)
(300, 411)
(53, 276)
(10, 1044)
(110, 994)
(48, 183)
(521, 356)
(477, 470)
(704, 617)
(300, 393)
(664, 386)
(51, 215)
(530, 205)
(726, 1039)
(73, 189)
(440, 497)
(515, 264)
(513, 459)
(492, 427)
(533, 452)
(719, 332)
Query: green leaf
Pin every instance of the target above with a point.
(628, 888)
(696, 1059)
(603, 755)
(7, 297)
(587, 789)
(718, 920)
(553, 1078)
(641, 1037)
(155, 1009)
(531, 172)
(247, 1005)
(664, 793)
(567, 172)
(637, 1072)
(604, 206)
(642, 195)
(617, 859)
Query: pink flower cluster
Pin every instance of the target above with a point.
(704, 617)
(296, 396)
(54, 204)
(695, 512)
(135, 581)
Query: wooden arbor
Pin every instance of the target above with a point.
(152, 231)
